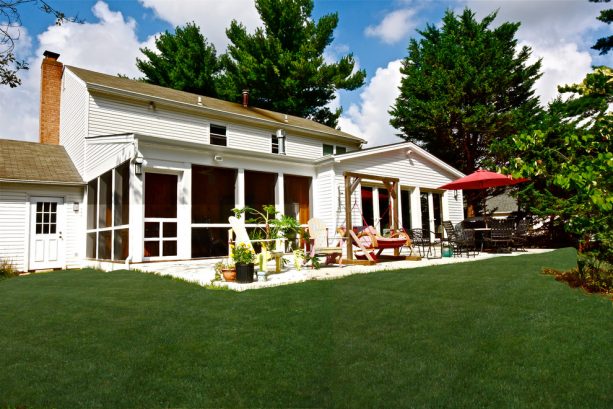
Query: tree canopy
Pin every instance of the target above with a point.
(283, 65)
(604, 44)
(465, 85)
(184, 60)
(569, 157)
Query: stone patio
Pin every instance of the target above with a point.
(202, 272)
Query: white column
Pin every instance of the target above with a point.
(184, 214)
(376, 214)
(416, 208)
(280, 194)
(137, 214)
(445, 204)
(431, 213)
(240, 188)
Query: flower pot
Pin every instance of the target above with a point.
(244, 273)
(229, 274)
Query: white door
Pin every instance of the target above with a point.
(46, 233)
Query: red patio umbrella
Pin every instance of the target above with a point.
(481, 179)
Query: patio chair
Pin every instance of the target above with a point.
(465, 241)
(520, 236)
(318, 234)
(421, 238)
(500, 238)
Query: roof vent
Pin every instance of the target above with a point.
(199, 100)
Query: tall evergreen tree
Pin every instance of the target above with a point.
(184, 60)
(465, 85)
(604, 44)
(282, 64)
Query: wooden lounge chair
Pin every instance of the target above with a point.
(318, 234)
(240, 231)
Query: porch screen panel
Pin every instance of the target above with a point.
(92, 203)
(213, 194)
(297, 190)
(122, 194)
(160, 195)
(259, 189)
(209, 241)
(105, 200)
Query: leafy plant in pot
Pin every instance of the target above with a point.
(243, 256)
(226, 269)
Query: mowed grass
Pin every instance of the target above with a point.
(495, 333)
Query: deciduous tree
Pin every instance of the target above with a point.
(570, 157)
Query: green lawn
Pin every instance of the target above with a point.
(495, 333)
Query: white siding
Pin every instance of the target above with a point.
(249, 138)
(324, 196)
(105, 156)
(73, 119)
(303, 147)
(15, 221)
(109, 116)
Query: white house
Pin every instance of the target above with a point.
(162, 170)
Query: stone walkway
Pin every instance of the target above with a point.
(201, 271)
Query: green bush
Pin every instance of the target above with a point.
(7, 268)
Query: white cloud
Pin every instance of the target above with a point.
(394, 27)
(370, 120)
(561, 64)
(109, 45)
(213, 16)
(556, 31)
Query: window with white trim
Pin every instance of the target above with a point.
(218, 135)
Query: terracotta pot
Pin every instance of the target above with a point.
(229, 274)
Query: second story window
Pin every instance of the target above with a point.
(274, 143)
(218, 135)
(333, 149)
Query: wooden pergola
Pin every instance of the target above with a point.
(352, 181)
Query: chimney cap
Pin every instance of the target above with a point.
(51, 54)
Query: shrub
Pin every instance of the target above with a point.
(592, 274)
(7, 268)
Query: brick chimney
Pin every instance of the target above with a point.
(245, 98)
(50, 92)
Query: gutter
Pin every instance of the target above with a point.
(42, 182)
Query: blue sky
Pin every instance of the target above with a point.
(377, 32)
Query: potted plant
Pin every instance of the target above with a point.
(226, 269)
(288, 227)
(243, 256)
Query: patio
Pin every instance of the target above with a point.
(201, 271)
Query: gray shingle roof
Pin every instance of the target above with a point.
(143, 88)
(34, 162)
